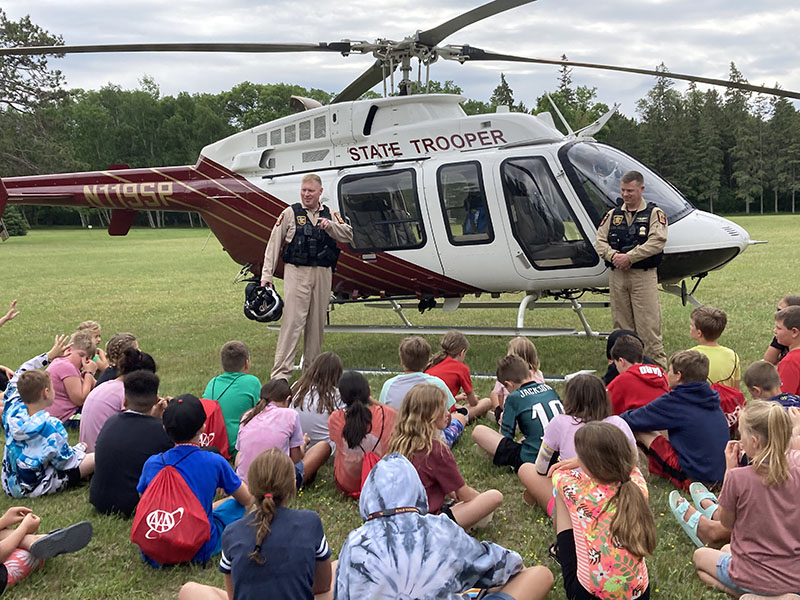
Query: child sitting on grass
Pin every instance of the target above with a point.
(272, 424)
(38, 459)
(22, 551)
(529, 406)
(115, 348)
(416, 436)
(401, 551)
(706, 326)
(273, 551)
(73, 376)
(759, 504)
(236, 391)
(93, 328)
(585, 401)
(448, 365)
(691, 414)
(316, 396)
(603, 523)
(203, 471)
(776, 351)
(524, 348)
(787, 332)
(637, 383)
(763, 382)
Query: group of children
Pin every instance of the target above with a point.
(577, 460)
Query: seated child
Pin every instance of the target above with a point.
(73, 376)
(448, 365)
(124, 444)
(524, 348)
(585, 520)
(204, 472)
(637, 383)
(272, 424)
(706, 326)
(414, 353)
(272, 534)
(108, 399)
(22, 551)
(363, 426)
(115, 347)
(758, 503)
(416, 436)
(235, 390)
(402, 552)
(787, 332)
(316, 396)
(691, 414)
(763, 382)
(776, 351)
(585, 401)
(38, 459)
(94, 329)
(529, 406)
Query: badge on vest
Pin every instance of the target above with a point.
(642, 231)
(301, 220)
(617, 220)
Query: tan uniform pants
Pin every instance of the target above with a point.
(306, 293)
(635, 306)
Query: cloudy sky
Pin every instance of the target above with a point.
(689, 36)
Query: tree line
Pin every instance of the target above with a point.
(727, 152)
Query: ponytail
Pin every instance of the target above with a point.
(772, 425)
(135, 360)
(354, 390)
(452, 344)
(275, 390)
(609, 457)
(271, 480)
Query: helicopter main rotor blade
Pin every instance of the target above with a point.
(363, 83)
(432, 37)
(471, 54)
(343, 47)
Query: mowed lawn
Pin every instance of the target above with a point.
(173, 289)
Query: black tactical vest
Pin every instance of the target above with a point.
(623, 237)
(311, 246)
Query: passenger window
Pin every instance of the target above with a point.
(383, 209)
(463, 199)
(541, 219)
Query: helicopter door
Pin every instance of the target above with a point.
(542, 221)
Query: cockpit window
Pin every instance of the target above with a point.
(383, 209)
(595, 171)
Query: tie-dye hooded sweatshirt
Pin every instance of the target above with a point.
(413, 555)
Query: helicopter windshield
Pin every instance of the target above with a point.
(595, 171)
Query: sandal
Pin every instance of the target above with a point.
(699, 493)
(61, 541)
(552, 551)
(679, 509)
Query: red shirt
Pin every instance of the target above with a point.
(636, 387)
(789, 370)
(455, 375)
(439, 474)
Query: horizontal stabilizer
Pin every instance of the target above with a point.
(121, 221)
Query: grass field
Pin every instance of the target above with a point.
(175, 292)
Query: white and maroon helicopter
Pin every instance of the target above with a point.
(443, 205)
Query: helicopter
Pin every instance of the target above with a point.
(443, 205)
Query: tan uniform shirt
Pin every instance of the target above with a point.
(283, 232)
(656, 237)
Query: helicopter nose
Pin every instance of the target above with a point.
(698, 243)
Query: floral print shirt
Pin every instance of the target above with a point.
(605, 569)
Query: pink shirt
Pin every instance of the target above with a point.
(502, 392)
(104, 401)
(765, 541)
(62, 407)
(273, 427)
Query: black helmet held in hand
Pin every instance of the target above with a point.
(262, 304)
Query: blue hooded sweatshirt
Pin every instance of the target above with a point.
(412, 555)
(697, 428)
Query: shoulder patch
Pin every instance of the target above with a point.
(605, 218)
(338, 218)
(662, 218)
(279, 221)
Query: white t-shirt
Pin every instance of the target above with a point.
(314, 423)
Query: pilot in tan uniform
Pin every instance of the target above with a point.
(307, 233)
(631, 240)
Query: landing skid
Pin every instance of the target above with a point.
(529, 302)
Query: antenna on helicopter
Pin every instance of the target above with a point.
(560, 116)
